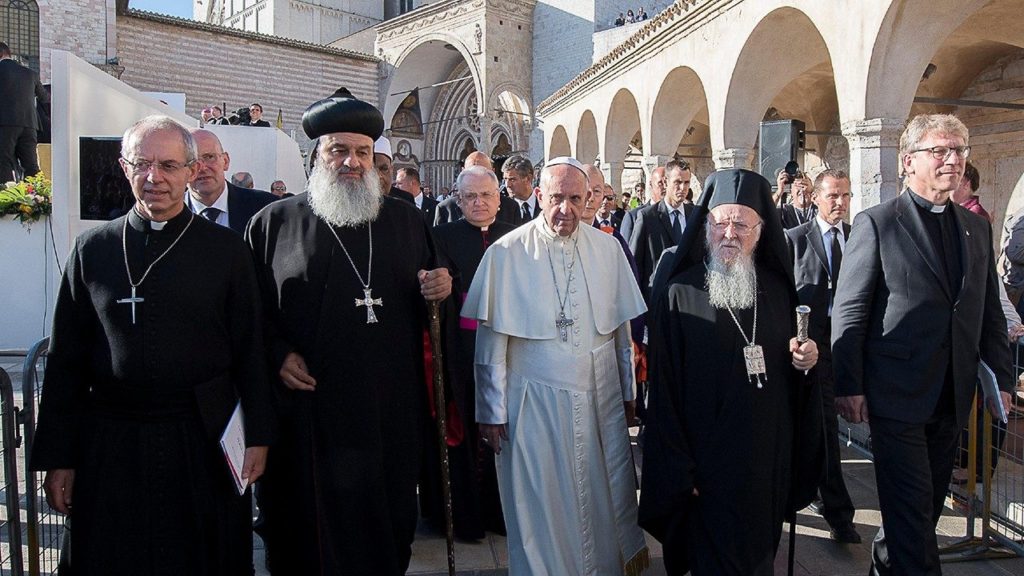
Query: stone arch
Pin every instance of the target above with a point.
(680, 98)
(512, 112)
(424, 62)
(588, 144)
(903, 48)
(559, 145)
(621, 128)
(810, 66)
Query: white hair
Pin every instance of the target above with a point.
(342, 202)
(154, 123)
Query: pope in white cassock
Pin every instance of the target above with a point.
(554, 379)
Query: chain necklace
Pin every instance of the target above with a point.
(563, 323)
(133, 299)
(367, 300)
(753, 354)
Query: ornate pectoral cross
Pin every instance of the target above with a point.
(563, 324)
(369, 301)
(133, 301)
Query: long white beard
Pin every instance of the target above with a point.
(343, 202)
(731, 284)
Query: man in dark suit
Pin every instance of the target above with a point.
(20, 86)
(448, 209)
(607, 210)
(655, 192)
(816, 248)
(408, 179)
(518, 173)
(917, 309)
(212, 196)
(800, 209)
(660, 226)
(256, 116)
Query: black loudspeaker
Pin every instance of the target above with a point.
(780, 142)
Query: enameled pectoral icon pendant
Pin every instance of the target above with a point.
(753, 357)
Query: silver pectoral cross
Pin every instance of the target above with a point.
(563, 324)
(133, 301)
(369, 301)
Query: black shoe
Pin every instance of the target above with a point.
(845, 534)
(817, 506)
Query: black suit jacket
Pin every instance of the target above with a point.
(428, 209)
(448, 210)
(896, 327)
(811, 271)
(615, 221)
(19, 87)
(787, 214)
(650, 236)
(514, 214)
(259, 124)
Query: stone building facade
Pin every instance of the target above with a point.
(696, 81)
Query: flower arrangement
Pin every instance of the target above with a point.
(27, 200)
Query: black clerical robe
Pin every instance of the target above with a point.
(339, 495)
(710, 428)
(136, 408)
(476, 505)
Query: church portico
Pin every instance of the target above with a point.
(468, 66)
(705, 73)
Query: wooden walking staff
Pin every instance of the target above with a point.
(442, 443)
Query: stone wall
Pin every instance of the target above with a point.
(212, 65)
(996, 136)
(86, 28)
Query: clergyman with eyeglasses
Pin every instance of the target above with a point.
(728, 429)
(917, 308)
(156, 338)
(462, 243)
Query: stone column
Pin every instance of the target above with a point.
(485, 134)
(613, 175)
(649, 163)
(874, 160)
(732, 158)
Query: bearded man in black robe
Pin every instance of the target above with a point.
(727, 389)
(156, 337)
(345, 273)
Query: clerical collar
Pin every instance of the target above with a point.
(926, 205)
(140, 224)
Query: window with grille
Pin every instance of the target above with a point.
(19, 27)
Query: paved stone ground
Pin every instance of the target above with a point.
(816, 554)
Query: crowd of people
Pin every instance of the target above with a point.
(631, 18)
(565, 318)
(251, 115)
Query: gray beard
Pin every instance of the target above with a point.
(731, 285)
(344, 203)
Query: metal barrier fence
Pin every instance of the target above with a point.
(10, 514)
(43, 526)
(988, 484)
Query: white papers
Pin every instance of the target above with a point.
(990, 389)
(232, 443)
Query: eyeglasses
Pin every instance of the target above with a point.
(210, 158)
(146, 166)
(738, 228)
(470, 197)
(944, 152)
(609, 198)
(278, 188)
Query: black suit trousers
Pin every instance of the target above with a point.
(913, 464)
(837, 506)
(17, 144)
